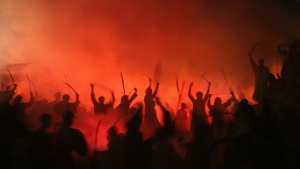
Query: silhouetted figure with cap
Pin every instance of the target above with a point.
(69, 140)
(99, 106)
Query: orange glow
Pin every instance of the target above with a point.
(94, 41)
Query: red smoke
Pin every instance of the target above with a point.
(93, 41)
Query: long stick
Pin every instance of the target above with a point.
(96, 134)
(65, 75)
(12, 78)
(203, 76)
(70, 87)
(177, 87)
(29, 82)
(123, 83)
(66, 80)
(157, 71)
(102, 86)
(250, 53)
(130, 92)
(223, 73)
(146, 76)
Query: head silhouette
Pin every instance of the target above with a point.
(183, 105)
(101, 99)
(45, 120)
(199, 95)
(148, 91)
(244, 102)
(66, 97)
(124, 99)
(18, 99)
(218, 101)
(111, 132)
(57, 96)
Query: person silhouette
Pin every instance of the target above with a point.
(261, 73)
(18, 110)
(99, 106)
(69, 140)
(42, 150)
(123, 107)
(181, 122)
(5, 97)
(219, 112)
(61, 107)
(150, 116)
(199, 115)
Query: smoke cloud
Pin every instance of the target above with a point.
(82, 42)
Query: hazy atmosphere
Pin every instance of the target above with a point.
(93, 41)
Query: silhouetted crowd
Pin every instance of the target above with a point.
(232, 134)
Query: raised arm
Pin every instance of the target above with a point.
(226, 104)
(190, 93)
(150, 82)
(252, 62)
(166, 114)
(155, 91)
(77, 99)
(209, 102)
(11, 90)
(133, 96)
(93, 94)
(207, 92)
(30, 103)
(112, 97)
